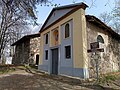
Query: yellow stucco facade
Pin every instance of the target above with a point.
(79, 38)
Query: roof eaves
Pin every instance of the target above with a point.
(19, 41)
(94, 19)
(25, 38)
(71, 5)
(47, 19)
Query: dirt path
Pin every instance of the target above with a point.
(22, 80)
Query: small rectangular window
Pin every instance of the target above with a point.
(46, 54)
(67, 52)
(46, 39)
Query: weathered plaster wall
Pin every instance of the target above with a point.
(80, 40)
(110, 58)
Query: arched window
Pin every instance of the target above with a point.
(67, 30)
(100, 39)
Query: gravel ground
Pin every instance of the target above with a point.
(22, 80)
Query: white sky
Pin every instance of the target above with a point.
(95, 8)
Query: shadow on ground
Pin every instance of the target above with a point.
(27, 79)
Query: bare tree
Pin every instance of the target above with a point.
(15, 14)
(116, 10)
(105, 17)
(112, 18)
(116, 15)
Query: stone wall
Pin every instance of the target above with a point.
(34, 49)
(109, 59)
(22, 51)
(25, 52)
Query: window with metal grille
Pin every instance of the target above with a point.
(46, 54)
(67, 52)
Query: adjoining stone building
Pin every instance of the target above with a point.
(27, 50)
(97, 31)
(65, 38)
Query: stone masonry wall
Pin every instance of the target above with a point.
(109, 60)
(34, 49)
(22, 51)
(26, 51)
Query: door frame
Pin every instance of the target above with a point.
(37, 62)
(55, 60)
(50, 61)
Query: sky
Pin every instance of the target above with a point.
(96, 7)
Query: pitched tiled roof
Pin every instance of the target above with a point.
(99, 23)
(24, 38)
